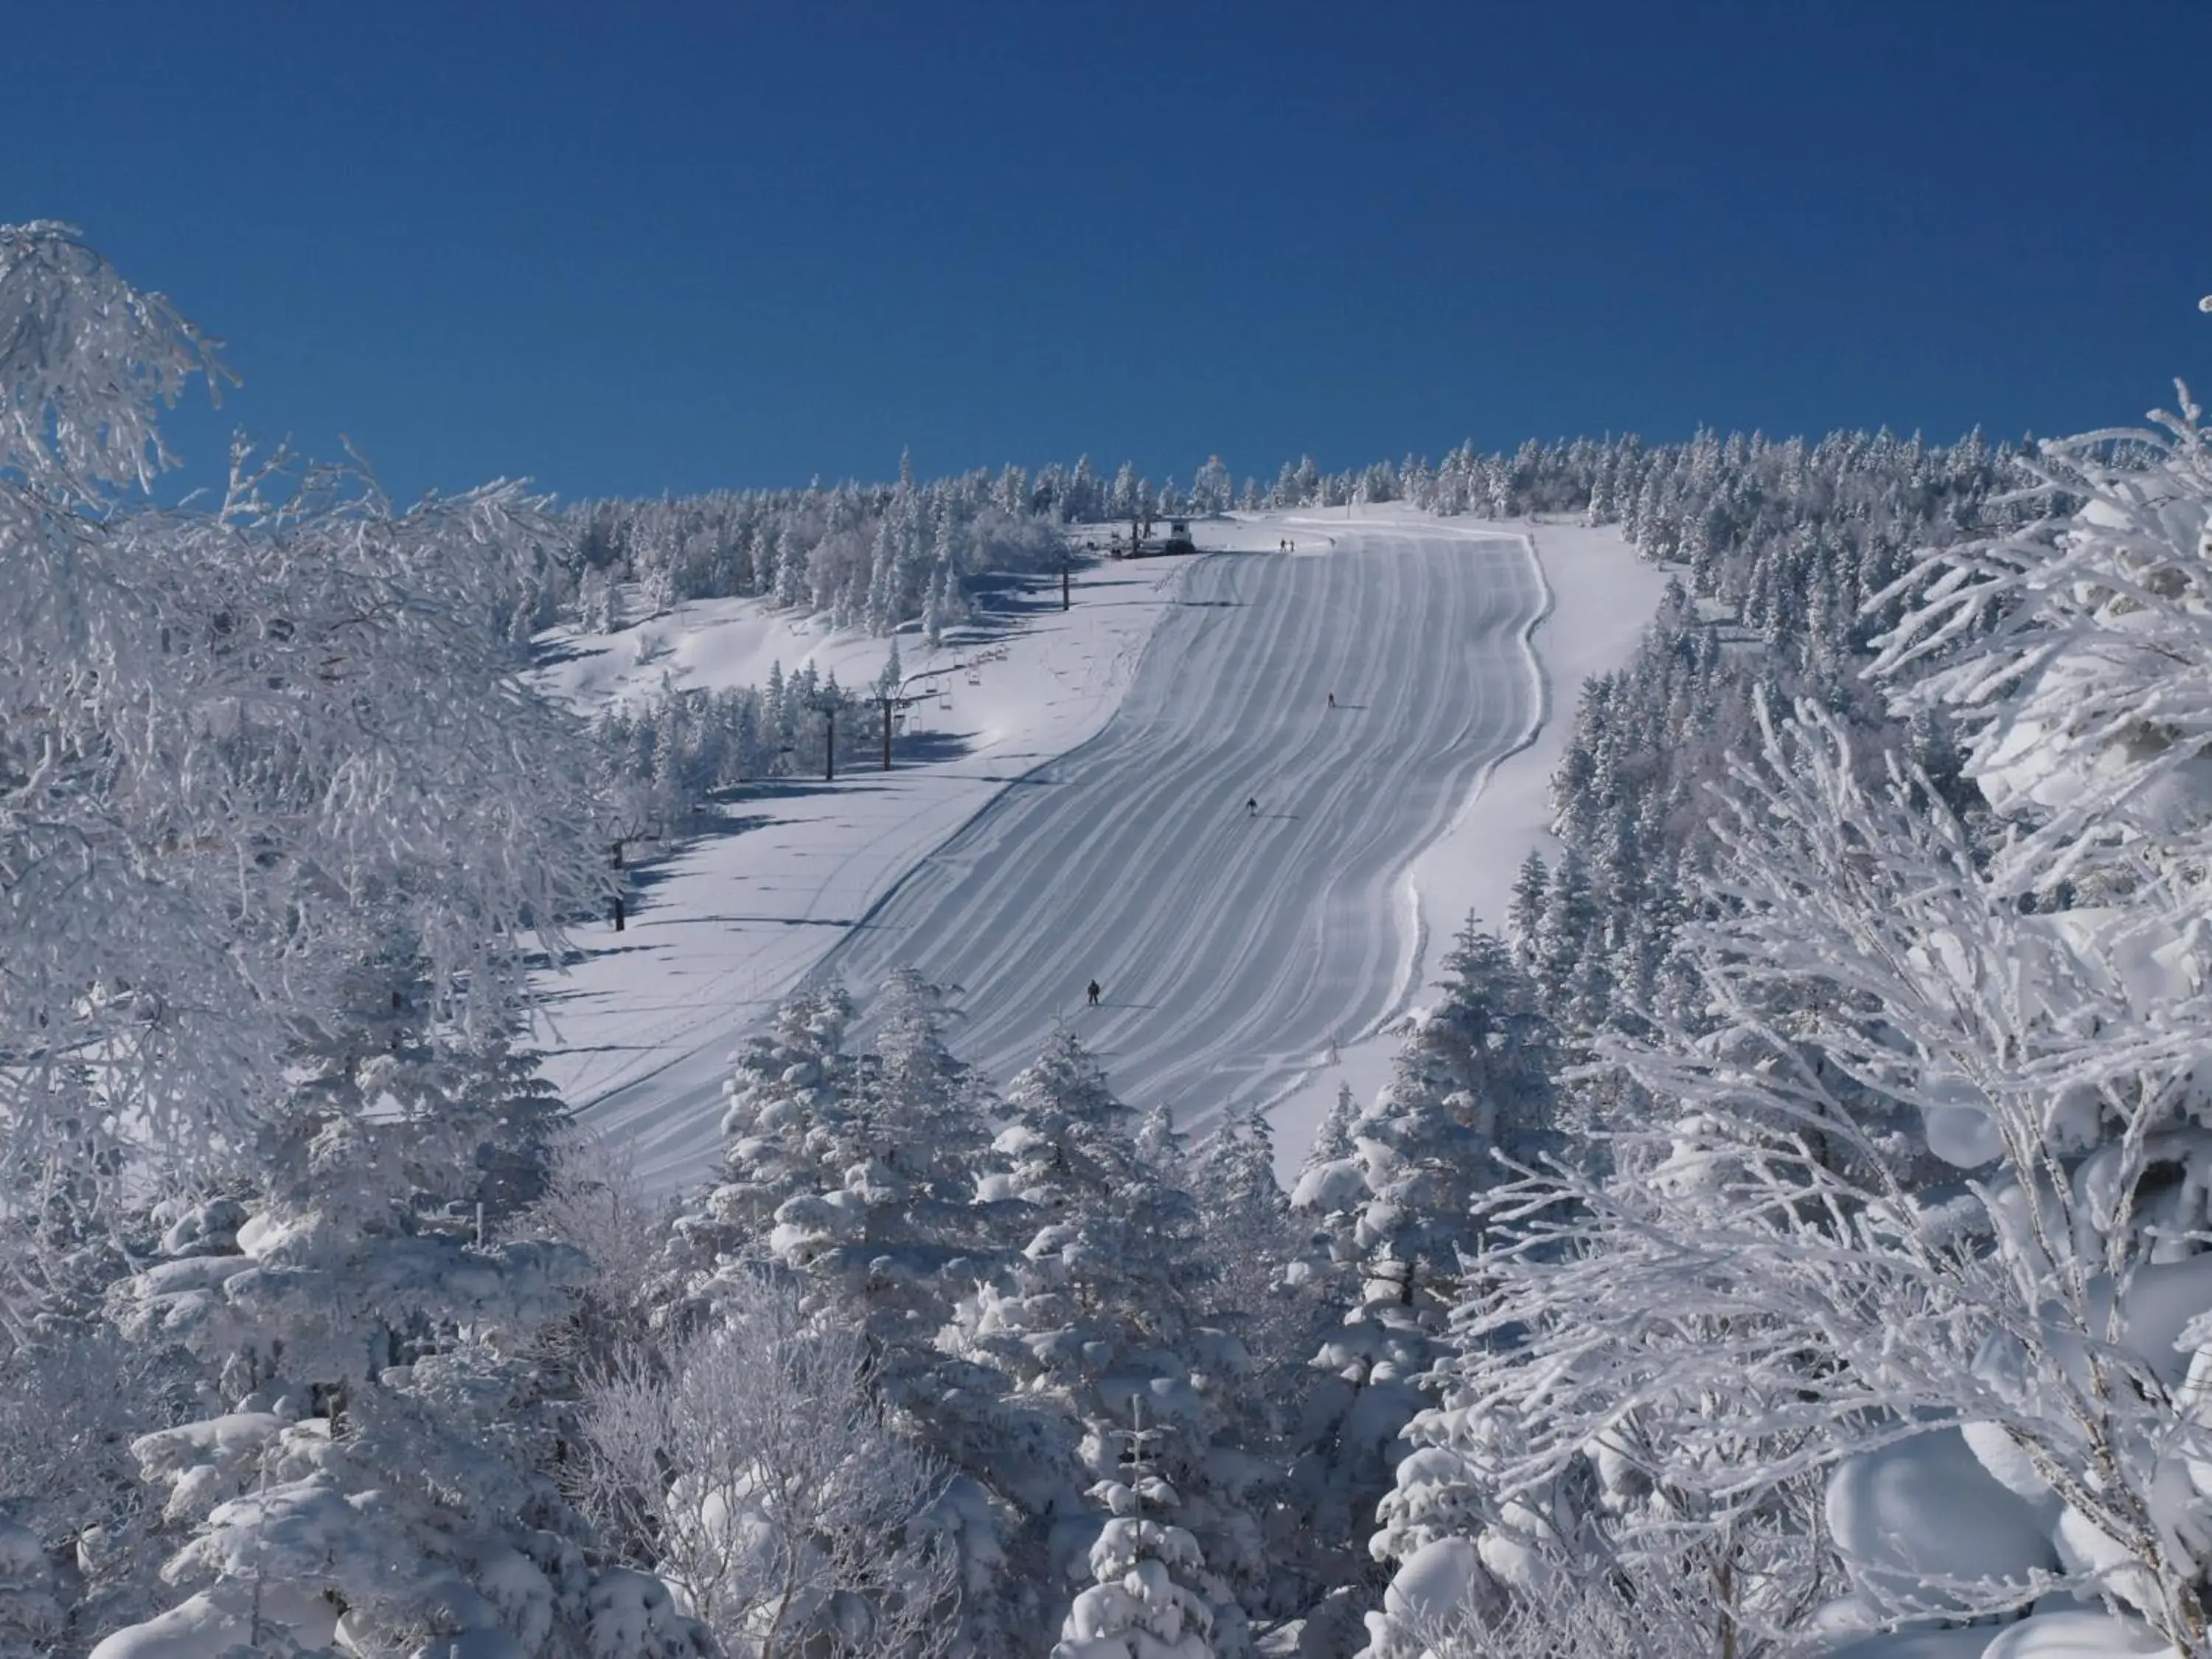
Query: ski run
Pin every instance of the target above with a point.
(1090, 820)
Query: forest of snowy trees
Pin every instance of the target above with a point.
(1784, 1241)
(909, 556)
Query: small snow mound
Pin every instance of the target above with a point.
(1970, 1642)
(2085, 1634)
(1336, 1185)
(1925, 1509)
(1437, 1581)
(474, 1644)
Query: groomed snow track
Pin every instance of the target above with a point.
(1234, 949)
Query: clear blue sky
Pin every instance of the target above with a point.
(628, 248)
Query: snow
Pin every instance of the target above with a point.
(1233, 946)
(1089, 822)
(1967, 1643)
(641, 1031)
(1925, 1509)
(1601, 596)
(2083, 1633)
(1435, 1583)
(2061, 1632)
(218, 1623)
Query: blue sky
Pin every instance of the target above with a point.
(628, 248)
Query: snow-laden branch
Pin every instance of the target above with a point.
(2078, 651)
(1932, 1164)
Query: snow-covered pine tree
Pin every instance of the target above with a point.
(1262, 1291)
(856, 1177)
(1212, 488)
(1332, 1142)
(1245, 1230)
(1473, 1081)
(1161, 1145)
(1097, 1308)
(788, 1135)
(382, 1472)
(921, 1124)
(1152, 1597)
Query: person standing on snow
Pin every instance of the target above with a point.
(1252, 807)
(1094, 993)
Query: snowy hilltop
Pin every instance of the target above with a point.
(1069, 804)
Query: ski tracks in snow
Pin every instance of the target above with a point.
(1233, 949)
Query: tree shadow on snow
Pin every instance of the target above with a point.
(767, 922)
(926, 748)
(554, 653)
(1002, 601)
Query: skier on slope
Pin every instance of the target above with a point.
(1252, 807)
(1331, 700)
(1094, 993)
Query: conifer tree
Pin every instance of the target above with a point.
(1472, 1081)
(786, 1131)
(1099, 1306)
(1152, 1597)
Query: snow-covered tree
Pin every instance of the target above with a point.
(594, 1199)
(1098, 1307)
(786, 1129)
(277, 818)
(755, 1467)
(1247, 1230)
(1472, 1081)
(2077, 652)
(71, 1403)
(857, 1175)
(386, 1434)
(1110, 1267)
(1472, 1078)
(1152, 1597)
(1212, 489)
(1998, 1370)
(90, 706)
(920, 1128)
(220, 727)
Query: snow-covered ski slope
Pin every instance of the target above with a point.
(1088, 819)
(1232, 946)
